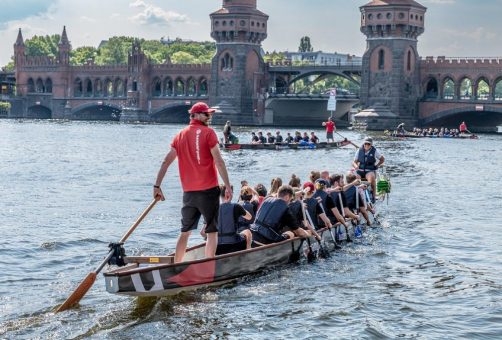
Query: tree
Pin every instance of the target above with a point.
(115, 51)
(305, 45)
(43, 45)
(81, 55)
(182, 58)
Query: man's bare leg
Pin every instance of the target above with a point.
(211, 244)
(181, 246)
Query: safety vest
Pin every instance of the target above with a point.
(227, 228)
(268, 218)
(243, 223)
(367, 161)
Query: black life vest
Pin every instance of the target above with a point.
(279, 139)
(268, 218)
(227, 228)
(243, 223)
(335, 196)
(367, 161)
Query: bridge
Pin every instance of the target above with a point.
(461, 89)
(396, 84)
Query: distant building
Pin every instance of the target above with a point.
(323, 58)
(170, 41)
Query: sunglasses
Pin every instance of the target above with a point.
(205, 114)
(367, 143)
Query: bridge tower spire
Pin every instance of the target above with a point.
(238, 71)
(19, 50)
(390, 82)
(64, 49)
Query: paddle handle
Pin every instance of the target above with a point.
(355, 145)
(138, 221)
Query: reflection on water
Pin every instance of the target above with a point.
(69, 188)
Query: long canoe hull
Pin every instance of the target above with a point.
(462, 136)
(284, 146)
(197, 272)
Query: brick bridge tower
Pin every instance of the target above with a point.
(390, 82)
(238, 71)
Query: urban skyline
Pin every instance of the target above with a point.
(455, 28)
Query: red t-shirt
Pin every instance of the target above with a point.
(330, 126)
(463, 127)
(193, 146)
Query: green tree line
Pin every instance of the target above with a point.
(116, 50)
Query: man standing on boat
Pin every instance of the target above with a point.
(198, 153)
(463, 128)
(366, 161)
(330, 128)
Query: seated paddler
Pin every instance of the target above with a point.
(275, 222)
(229, 239)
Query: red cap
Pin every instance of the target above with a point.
(201, 107)
(309, 185)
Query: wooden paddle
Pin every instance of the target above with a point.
(310, 226)
(355, 145)
(89, 280)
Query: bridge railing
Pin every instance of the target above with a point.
(288, 63)
(312, 96)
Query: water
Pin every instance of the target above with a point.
(68, 188)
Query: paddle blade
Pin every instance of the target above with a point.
(79, 293)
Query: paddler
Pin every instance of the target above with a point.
(273, 216)
(229, 238)
(198, 153)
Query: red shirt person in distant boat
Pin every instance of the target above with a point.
(330, 128)
(198, 153)
(463, 128)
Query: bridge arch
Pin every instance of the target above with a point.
(203, 87)
(156, 87)
(168, 87)
(191, 87)
(108, 88)
(482, 88)
(78, 88)
(321, 75)
(179, 87)
(39, 112)
(448, 88)
(172, 113)
(48, 85)
(95, 111)
(490, 117)
(465, 88)
(120, 88)
(98, 88)
(431, 88)
(497, 89)
(39, 86)
(31, 85)
(88, 89)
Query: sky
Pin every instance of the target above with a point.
(454, 28)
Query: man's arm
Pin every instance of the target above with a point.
(168, 160)
(222, 170)
(380, 163)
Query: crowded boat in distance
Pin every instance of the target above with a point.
(433, 132)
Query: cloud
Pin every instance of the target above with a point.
(12, 10)
(153, 15)
(478, 34)
(88, 19)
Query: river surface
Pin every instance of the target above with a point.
(431, 271)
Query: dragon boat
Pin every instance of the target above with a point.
(410, 135)
(285, 146)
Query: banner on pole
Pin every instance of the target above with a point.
(332, 100)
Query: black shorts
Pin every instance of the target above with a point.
(225, 248)
(363, 173)
(329, 135)
(197, 203)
